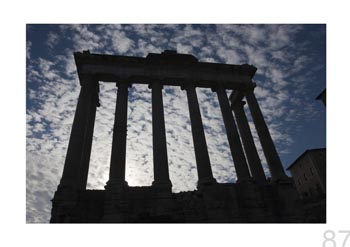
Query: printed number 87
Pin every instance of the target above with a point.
(329, 238)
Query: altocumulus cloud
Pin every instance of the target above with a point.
(53, 88)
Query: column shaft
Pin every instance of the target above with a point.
(248, 143)
(205, 174)
(78, 153)
(160, 157)
(272, 158)
(85, 164)
(233, 137)
(118, 156)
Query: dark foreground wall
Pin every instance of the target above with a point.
(220, 203)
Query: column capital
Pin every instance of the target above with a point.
(92, 87)
(187, 85)
(90, 84)
(87, 80)
(239, 104)
(236, 96)
(155, 84)
(248, 88)
(217, 87)
(123, 84)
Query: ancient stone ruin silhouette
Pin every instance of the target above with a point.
(252, 198)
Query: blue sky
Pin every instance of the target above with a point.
(291, 62)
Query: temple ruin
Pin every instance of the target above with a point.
(251, 199)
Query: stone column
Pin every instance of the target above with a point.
(272, 158)
(88, 138)
(76, 165)
(233, 137)
(160, 157)
(248, 143)
(205, 175)
(118, 156)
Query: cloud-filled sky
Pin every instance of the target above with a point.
(291, 62)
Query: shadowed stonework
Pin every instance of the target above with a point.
(251, 199)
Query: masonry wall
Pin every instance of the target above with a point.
(309, 174)
(222, 203)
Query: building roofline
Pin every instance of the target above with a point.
(303, 154)
(320, 95)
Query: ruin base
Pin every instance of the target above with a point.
(218, 203)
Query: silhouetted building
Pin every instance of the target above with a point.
(309, 173)
(322, 96)
(251, 199)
